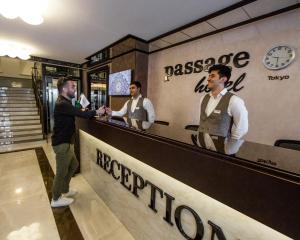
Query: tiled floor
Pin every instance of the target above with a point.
(25, 212)
(66, 224)
(21, 146)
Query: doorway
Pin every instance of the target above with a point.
(98, 88)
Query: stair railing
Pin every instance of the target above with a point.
(39, 102)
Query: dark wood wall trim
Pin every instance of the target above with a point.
(54, 62)
(215, 14)
(262, 195)
(130, 51)
(117, 42)
(100, 65)
(283, 10)
(120, 55)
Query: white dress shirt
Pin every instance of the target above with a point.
(147, 105)
(145, 125)
(236, 109)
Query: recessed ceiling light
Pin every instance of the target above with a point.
(13, 49)
(30, 11)
(32, 19)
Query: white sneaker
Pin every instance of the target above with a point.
(71, 193)
(61, 202)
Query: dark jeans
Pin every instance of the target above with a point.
(66, 166)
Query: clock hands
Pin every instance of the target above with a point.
(280, 57)
(277, 58)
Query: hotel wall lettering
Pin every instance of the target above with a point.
(137, 183)
(238, 60)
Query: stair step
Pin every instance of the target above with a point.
(15, 89)
(7, 114)
(18, 123)
(17, 102)
(14, 109)
(17, 95)
(20, 133)
(22, 145)
(16, 118)
(17, 105)
(20, 139)
(20, 128)
(24, 98)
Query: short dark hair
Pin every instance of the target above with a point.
(223, 70)
(62, 81)
(137, 84)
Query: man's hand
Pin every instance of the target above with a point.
(101, 110)
(108, 111)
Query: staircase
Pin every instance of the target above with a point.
(19, 118)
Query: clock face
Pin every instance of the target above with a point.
(279, 57)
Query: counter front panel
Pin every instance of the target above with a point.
(163, 188)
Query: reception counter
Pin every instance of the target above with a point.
(162, 182)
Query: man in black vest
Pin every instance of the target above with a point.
(222, 113)
(63, 141)
(137, 107)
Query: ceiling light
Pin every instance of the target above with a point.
(32, 19)
(30, 11)
(2, 50)
(13, 50)
(23, 54)
(9, 9)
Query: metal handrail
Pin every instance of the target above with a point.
(38, 100)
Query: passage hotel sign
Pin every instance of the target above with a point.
(238, 60)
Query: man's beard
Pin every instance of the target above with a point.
(71, 95)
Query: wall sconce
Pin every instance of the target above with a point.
(166, 77)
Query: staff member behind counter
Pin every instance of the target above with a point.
(137, 107)
(222, 114)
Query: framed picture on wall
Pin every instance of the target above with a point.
(119, 83)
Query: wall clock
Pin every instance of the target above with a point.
(279, 57)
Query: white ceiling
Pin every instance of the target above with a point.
(264, 6)
(238, 15)
(75, 29)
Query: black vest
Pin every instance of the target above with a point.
(219, 122)
(139, 112)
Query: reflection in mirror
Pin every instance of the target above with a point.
(129, 122)
(137, 124)
(226, 145)
(272, 157)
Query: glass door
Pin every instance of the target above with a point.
(98, 95)
(98, 85)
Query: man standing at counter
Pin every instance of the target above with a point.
(222, 113)
(63, 141)
(137, 107)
